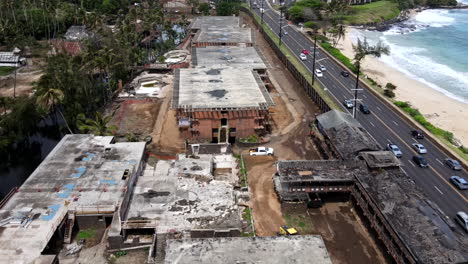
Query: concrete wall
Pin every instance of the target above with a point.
(208, 233)
(85, 222)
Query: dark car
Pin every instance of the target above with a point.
(345, 73)
(364, 109)
(417, 134)
(453, 164)
(421, 161)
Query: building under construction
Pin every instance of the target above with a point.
(410, 226)
(220, 31)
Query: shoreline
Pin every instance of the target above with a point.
(437, 108)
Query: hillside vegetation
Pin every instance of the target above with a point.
(372, 13)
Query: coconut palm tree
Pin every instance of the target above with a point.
(98, 126)
(50, 99)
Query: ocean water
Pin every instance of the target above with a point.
(431, 47)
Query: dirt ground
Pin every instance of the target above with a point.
(135, 116)
(346, 238)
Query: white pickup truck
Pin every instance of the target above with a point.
(261, 151)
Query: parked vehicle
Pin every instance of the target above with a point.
(261, 151)
(348, 104)
(460, 182)
(322, 68)
(364, 109)
(420, 161)
(345, 73)
(419, 148)
(453, 164)
(286, 231)
(418, 134)
(462, 219)
(303, 57)
(395, 150)
(318, 73)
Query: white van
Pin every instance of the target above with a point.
(462, 219)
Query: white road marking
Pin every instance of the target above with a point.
(389, 140)
(438, 190)
(364, 96)
(412, 163)
(415, 140)
(395, 123)
(403, 170)
(372, 123)
(439, 161)
(379, 108)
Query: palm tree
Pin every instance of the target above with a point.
(361, 50)
(51, 99)
(98, 126)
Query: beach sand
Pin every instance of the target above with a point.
(442, 111)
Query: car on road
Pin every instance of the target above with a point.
(453, 164)
(364, 108)
(322, 68)
(345, 73)
(460, 182)
(462, 219)
(418, 134)
(348, 104)
(318, 72)
(302, 56)
(394, 149)
(420, 161)
(419, 148)
(305, 51)
(261, 151)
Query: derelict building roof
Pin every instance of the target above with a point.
(202, 89)
(414, 217)
(292, 249)
(346, 134)
(318, 170)
(216, 22)
(220, 29)
(79, 166)
(233, 56)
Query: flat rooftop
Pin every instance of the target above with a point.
(293, 249)
(188, 194)
(82, 173)
(219, 88)
(318, 170)
(230, 35)
(245, 57)
(215, 22)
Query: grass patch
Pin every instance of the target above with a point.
(339, 56)
(248, 234)
(246, 215)
(295, 61)
(300, 221)
(444, 135)
(86, 233)
(374, 12)
(6, 70)
(242, 170)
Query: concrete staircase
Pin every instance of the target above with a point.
(160, 248)
(69, 228)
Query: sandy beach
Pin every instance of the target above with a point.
(443, 111)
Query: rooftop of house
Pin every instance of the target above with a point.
(346, 134)
(292, 249)
(76, 33)
(188, 193)
(82, 173)
(240, 57)
(219, 88)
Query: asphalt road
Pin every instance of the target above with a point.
(383, 123)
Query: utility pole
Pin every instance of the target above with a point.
(313, 64)
(262, 11)
(14, 85)
(356, 89)
(280, 23)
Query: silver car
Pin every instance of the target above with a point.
(419, 148)
(395, 150)
(453, 164)
(462, 219)
(458, 181)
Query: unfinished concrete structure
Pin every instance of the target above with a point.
(220, 31)
(221, 104)
(406, 221)
(344, 135)
(296, 249)
(235, 57)
(80, 182)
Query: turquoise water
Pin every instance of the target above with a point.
(431, 47)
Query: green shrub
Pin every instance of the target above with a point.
(86, 233)
(463, 149)
(121, 253)
(389, 93)
(311, 25)
(390, 86)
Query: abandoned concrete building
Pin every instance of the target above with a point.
(84, 181)
(297, 249)
(340, 130)
(234, 57)
(409, 225)
(220, 31)
(221, 104)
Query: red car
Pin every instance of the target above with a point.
(305, 51)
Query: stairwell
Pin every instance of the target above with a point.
(160, 248)
(69, 228)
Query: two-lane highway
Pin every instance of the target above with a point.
(384, 124)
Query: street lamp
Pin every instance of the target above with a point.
(313, 64)
(356, 89)
(262, 11)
